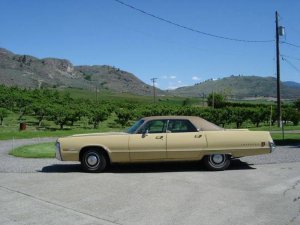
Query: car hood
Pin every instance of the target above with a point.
(100, 134)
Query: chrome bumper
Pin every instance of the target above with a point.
(272, 146)
(57, 151)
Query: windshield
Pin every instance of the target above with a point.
(133, 129)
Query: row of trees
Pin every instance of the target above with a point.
(63, 110)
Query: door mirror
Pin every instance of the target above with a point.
(145, 133)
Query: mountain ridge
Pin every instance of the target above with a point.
(30, 72)
(241, 87)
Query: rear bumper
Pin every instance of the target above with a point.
(272, 146)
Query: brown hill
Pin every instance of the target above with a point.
(30, 72)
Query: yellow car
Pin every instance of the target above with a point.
(164, 138)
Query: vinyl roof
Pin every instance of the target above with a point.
(199, 123)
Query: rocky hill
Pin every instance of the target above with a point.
(30, 72)
(241, 87)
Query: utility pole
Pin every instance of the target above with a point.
(213, 99)
(153, 82)
(278, 72)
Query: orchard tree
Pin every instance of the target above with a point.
(258, 115)
(3, 113)
(216, 100)
(41, 110)
(239, 116)
(97, 115)
(297, 104)
(60, 115)
(124, 116)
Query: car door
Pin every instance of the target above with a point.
(184, 141)
(150, 142)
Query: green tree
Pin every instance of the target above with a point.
(41, 110)
(124, 116)
(297, 104)
(3, 113)
(60, 115)
(258, 115)
(216, 100)
(97, 115)
(239, 116)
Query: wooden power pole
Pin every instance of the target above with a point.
(278, 72)
(154, 94)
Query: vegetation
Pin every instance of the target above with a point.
(52, 113)
(43, 150)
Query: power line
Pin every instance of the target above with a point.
(291, 57)
(291, 64)
(291, 44)
(189, 28)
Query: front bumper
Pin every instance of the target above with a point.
(58, 151)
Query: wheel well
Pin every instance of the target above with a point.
(98, 148)
(227, 154)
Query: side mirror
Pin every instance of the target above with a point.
(145, 133)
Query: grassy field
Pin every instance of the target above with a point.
(42, 150)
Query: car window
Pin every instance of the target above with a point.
(133, 129)
(179, 126)
(154, 126)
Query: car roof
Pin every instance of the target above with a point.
(198, 122)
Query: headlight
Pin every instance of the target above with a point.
(272, 146)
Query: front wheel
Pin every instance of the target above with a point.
(93, 161)
(217, 162)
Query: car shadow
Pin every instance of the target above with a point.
(161, 167)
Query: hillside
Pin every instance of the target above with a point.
(241, 87)
(30, 72)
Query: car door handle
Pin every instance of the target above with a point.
(159, 137)
(198, 135)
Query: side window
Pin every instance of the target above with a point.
(180, 126)
(154, 126)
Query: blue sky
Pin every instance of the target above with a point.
(98, 32)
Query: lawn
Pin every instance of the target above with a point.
(42, 150)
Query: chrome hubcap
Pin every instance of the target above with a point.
(92, 160)
(217, 159)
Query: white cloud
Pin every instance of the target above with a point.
(195, 78)
(169, 77)
(179, 81)
(172, 87)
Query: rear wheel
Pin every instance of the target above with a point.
(217, 162)
(93, 161)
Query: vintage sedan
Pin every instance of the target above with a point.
(164, 138)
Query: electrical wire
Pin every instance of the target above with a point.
(291, 65)
(189, 28)
(294, 45)
(290, 57)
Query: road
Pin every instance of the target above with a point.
(255, 190)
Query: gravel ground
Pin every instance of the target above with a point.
(282, 154)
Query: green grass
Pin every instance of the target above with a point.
(43, 150)
(289, 139)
